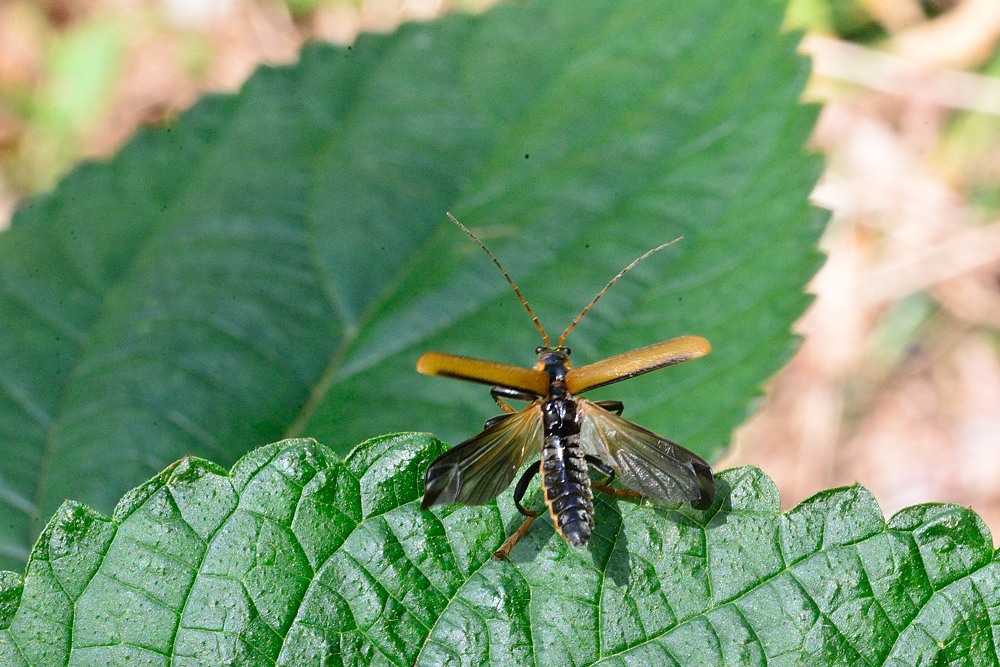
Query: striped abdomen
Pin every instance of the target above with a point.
(565, 478)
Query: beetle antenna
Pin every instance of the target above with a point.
(621, 273)
(520, 297)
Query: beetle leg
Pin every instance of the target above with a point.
(616, 407)
(522, 488)
(604, 484)
(601, 466)
(519, 491)
(500, 393)
(493, 421)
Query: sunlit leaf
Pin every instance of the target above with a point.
(297, 558)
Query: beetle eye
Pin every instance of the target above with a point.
(566, 351)
(539, 349)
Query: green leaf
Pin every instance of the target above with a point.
(297, 558)
(274, 263)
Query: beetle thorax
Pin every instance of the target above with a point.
(555, 362)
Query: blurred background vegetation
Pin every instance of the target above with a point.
(897, 383)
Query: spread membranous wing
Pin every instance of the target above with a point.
(645, 462)
(479, 469)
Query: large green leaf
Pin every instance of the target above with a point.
(297, 558)
(274, 262)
